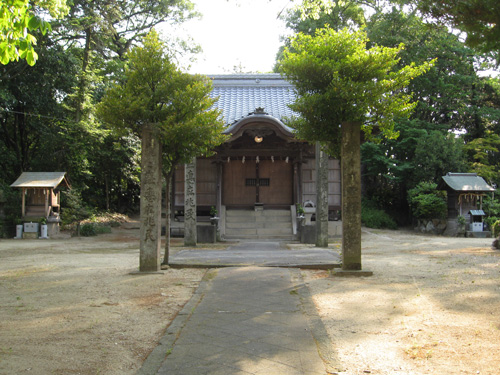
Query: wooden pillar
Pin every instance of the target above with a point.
(218, 192)
(321, 197)
(351, 196)
(23, 204)
(190, 236)
(46, 193)
(150, 206)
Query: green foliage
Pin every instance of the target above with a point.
(479, 19)
(340, 79)
(155, 91)
(427, 202)
(491, 206)
(17, 24)
(373, 217)
(73, 209)
(495, 228)
(300, 209)
(484, 155)
(10, 201)
(461, 220)
(88, 230)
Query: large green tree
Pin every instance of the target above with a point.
(31, 114)
(479, 19)
(104, 31)
(451, 98)
(155, 94)
(343, 86)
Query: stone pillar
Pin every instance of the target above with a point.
(321, 197)
(151, 182)
(351, 196)
(190, 204)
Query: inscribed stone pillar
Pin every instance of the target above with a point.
(150, 206)
(321, 197)
(190, 238)
(351, 196)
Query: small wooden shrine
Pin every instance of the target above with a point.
(41, 195)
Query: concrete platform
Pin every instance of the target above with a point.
(257, 253)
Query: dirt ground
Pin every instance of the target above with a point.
(432, 306)
(71, 306)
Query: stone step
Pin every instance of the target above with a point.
(257, 237)
(267, 224)
(261, 224)
(246, 213)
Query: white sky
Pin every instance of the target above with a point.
(241, 33)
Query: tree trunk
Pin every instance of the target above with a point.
(82, 85)
(351, 196)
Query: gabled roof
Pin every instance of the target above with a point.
(467, 182)
(241, 94)
(40, 180)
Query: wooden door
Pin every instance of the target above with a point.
(267, 182)
(235, 190)
(276, 182)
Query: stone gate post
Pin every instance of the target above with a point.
(321, 197)
(150, 206)
(190, 236)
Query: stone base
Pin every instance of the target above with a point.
(483, 234)
(206, 233)
(308, 234)
(352, 273)
(147, 273)
(30, 235)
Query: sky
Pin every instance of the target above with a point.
(236, 33)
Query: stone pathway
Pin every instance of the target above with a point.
(246, 320)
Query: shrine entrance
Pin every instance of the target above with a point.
(258, 180)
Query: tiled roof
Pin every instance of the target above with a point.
(40, 179)
(240, 94)
(466, 182)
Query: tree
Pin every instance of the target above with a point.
(31, 114)
(106, 30)
(451, 97)
(155, 96)
(310, 15)
(18, 21)
(479, 19)
(344, 87)
(194, 130)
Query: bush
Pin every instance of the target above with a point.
(426, 202)
(73, 208)
(102, 229)
(373, 217)
(490, 221)
(496, 228)
(88, 230)
(93, 229)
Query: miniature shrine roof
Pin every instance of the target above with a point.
(40, 180)
(466, 182)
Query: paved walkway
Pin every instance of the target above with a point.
(260, 253)
(246, 320)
